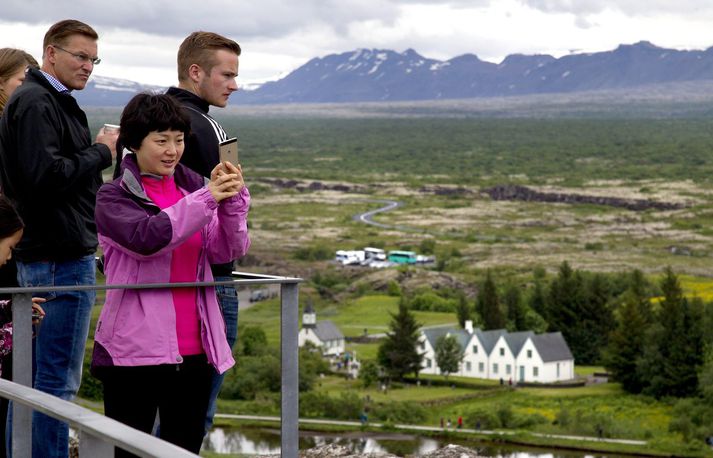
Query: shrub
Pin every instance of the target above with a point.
(393, 288)
(253, 341)
(311, 365)
(314, 253)
(593, 246)
(347, 406)
(505, 415)
(252, 375)
(399, 412)
(432, 302)
(369, 373)
(427, 246)
(329, 282)
(486, 418)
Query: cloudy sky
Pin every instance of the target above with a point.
(139, 38)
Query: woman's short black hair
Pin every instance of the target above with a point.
(10, 221)
(146, 113)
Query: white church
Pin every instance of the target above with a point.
(323, 334)
(498, 354)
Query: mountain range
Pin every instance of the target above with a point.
(368, 75)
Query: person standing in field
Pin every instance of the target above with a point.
(51, 170)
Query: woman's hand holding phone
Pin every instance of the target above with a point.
(226, 180)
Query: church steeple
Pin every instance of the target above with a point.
(309, 317)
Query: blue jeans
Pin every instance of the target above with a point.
(228, 301)
(60, 343)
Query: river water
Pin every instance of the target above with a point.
(263, 441)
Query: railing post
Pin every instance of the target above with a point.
(289, 295)
(21, 373)
(94, 446)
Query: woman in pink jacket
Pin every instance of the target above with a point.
(160, 222)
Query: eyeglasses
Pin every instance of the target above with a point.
(83, 58)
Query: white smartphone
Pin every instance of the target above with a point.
(229, 151)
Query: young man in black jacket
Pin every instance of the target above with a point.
(207, 68)
(51, 171)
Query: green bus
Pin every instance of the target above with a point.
(402, 257)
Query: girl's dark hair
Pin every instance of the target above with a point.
(146, 113)
(10, 221)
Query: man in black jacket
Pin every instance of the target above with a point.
(52, 170)
(207, 68)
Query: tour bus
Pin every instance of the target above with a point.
(376, 254)
(402, 257)
(347, 257)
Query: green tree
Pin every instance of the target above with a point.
(673, 352)
(640, 289)
(487, 305)
(516, 311)
(537, 300)
(311, 366)
(564, 299)
(596, 318)
(626, 343)
(252, 375)
(463, 310)
(253, 341)
(449, 354)
(705, 378)
(693, 416)
(368, 373)
(393, 288)
(707, 325)
(398, 355)
(578, 310)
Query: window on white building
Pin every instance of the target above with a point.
(481, 367)
(495, 368)
(508, 369)
(428, 362)
(467, 366)
(475, 349)
(535, 371)
(423, 345)
(502, 352)
(529, 353)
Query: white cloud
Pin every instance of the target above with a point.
(633, 8)
(139, 38)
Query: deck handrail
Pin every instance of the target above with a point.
(99, 434)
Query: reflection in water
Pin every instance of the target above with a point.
(267, 441)
(260, 441)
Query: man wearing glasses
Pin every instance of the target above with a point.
(51, 170)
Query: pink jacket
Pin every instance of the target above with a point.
(137, 327)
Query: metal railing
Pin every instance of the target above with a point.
(98, 435)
